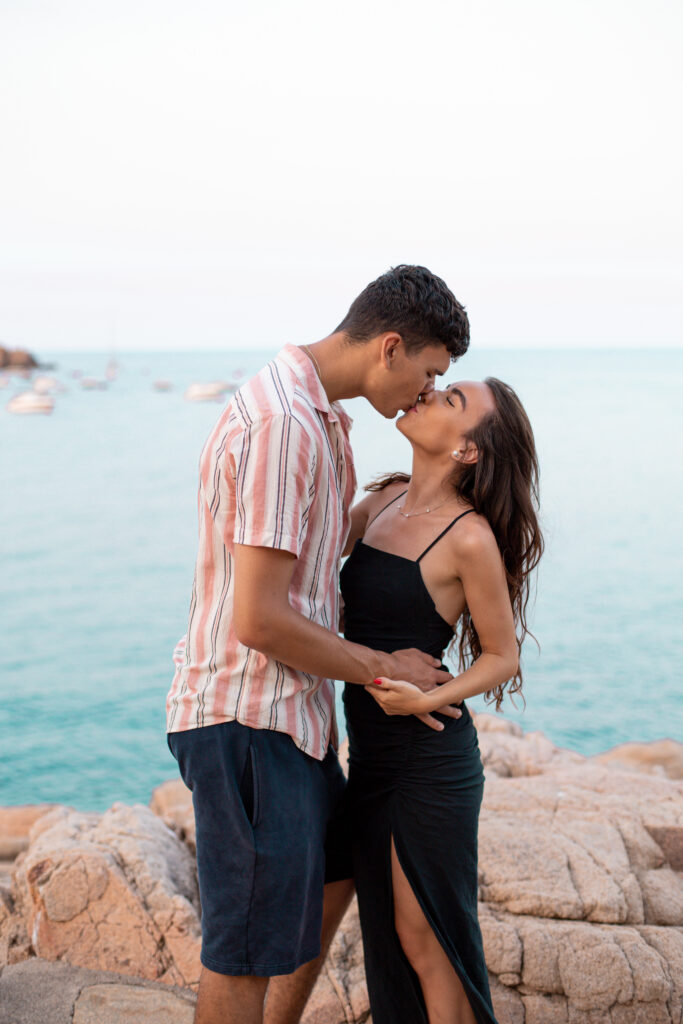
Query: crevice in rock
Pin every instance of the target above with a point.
(575, 887)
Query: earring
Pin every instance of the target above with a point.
(455, 453)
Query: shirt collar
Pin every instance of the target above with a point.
(303, 367)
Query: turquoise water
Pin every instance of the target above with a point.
(97, 544)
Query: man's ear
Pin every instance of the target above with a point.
(391, 342)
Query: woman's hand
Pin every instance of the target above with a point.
(398, 697)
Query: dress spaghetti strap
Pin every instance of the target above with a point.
(385, 507)
(443, 532)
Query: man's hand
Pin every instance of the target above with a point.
(418, 668)
(399, 697)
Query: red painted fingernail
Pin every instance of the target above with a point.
(378, 681)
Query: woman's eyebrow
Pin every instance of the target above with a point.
(456, 391)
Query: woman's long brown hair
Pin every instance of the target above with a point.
(502, 486)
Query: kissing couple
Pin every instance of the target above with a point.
(440, 557)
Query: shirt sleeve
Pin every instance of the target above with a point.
(273, 461)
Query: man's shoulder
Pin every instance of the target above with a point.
(268, 393)
(275, 392)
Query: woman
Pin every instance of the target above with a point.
(453, 543)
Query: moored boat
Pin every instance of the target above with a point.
(29, 402)
(209, 391)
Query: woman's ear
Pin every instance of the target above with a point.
(466, 456)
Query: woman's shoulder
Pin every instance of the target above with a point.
(472, 537)
(365, 510)
(389, 491)
(380, 494)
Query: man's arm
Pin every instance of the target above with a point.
(265, 620)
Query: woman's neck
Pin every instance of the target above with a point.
(429, 486)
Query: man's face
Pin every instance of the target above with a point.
(406, 376)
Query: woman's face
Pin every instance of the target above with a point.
(441, 420)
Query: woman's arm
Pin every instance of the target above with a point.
(480, 568)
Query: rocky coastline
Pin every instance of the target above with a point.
(17, 359)
(581, 897)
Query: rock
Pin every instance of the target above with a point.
(116, 891)
(573, 968)
(15, 944)
(663, 757)
(16, 359)
(580, 884)
(502, 943)
(668, 942)
(545, 1010)
(40, 992)
(112, 1004)
(15, 825)
(340, 994)
(669, 839)
(507, 1003)
(663, 896)
(524, 870)
(578, 843)
(496, 723)
(172, 802)
(508, 752)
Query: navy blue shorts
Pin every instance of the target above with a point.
(271, 830)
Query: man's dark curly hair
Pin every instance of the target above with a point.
(416, 304)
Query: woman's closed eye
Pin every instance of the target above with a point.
(452, 391)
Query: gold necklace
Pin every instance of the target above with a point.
(315, 362)
(409, 515)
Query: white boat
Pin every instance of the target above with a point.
(45, 385)
(209, 391)
(162, 385)
(28, 402)
(92, 384)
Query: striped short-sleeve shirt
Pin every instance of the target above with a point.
(276, 471)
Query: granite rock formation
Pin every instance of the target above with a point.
(16, 359)
(114, 891)
(581, 888)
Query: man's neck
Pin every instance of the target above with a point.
(340, 366)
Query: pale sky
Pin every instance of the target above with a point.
(214, 175)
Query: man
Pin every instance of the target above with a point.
(251, 716)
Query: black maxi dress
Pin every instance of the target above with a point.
(420, 786)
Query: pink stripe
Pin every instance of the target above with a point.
(257, 482)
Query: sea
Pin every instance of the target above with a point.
(98, 526)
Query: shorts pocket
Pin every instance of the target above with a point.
(249, 788)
